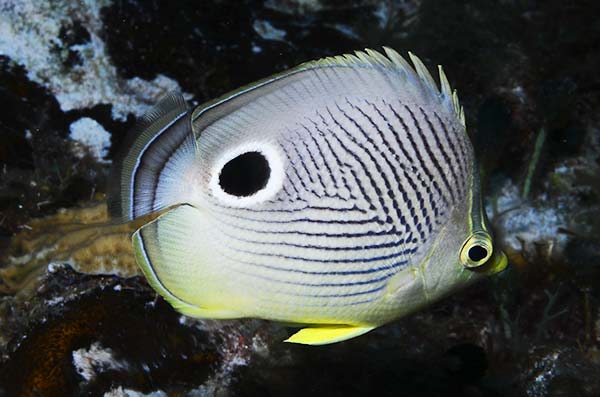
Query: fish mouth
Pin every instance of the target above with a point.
(496, 264)
(148, 270)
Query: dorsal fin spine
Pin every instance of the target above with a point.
(418, 72)
(444, 84)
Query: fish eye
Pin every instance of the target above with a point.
(477, 253)
(476, 250)
(245, 174)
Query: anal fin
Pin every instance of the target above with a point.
(204, 313)
(326, 334)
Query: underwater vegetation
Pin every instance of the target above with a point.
(77, 319)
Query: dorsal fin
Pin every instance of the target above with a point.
(416, 77)
(140, 182)
(417, 74)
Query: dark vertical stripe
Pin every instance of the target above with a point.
(341, 165)
(362, 165)
(411, 160)
(315, 167)
(303, 165)
(422, 165)
(432, 159)
(405, 197)
(294, 168)
(450, 161)
(374, 184)
(330, 172)
(407, 177)
(452, 139)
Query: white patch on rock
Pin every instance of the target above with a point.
(94, 360)
(24, 259)
(347, 30)
(53, 267)
(546, 368)
(267, 31)
(30, 36)
(89, 133)
(294, 6)
(55, 301)
(522, 223)
(120, 392)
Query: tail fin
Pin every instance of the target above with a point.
(146, 176)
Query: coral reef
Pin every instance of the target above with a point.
(59, 44)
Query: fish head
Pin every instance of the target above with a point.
(463, 252)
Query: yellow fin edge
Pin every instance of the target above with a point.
(326, 334)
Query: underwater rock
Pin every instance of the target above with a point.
(536, 217)
(83, 238)
(120, 392)
(92, 136)
(268, 31)
(522, 226)
(61, 47)
(90, 335)
(89, 362)
(561, 372)
(583, 255)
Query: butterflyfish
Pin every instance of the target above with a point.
(337, 196)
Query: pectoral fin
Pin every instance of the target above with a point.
(327, 334)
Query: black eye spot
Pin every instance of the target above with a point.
(477, 253)
(245, 174)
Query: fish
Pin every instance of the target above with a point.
(336, 197)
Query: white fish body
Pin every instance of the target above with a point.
(342, 194)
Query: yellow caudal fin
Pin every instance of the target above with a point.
(326, 334)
